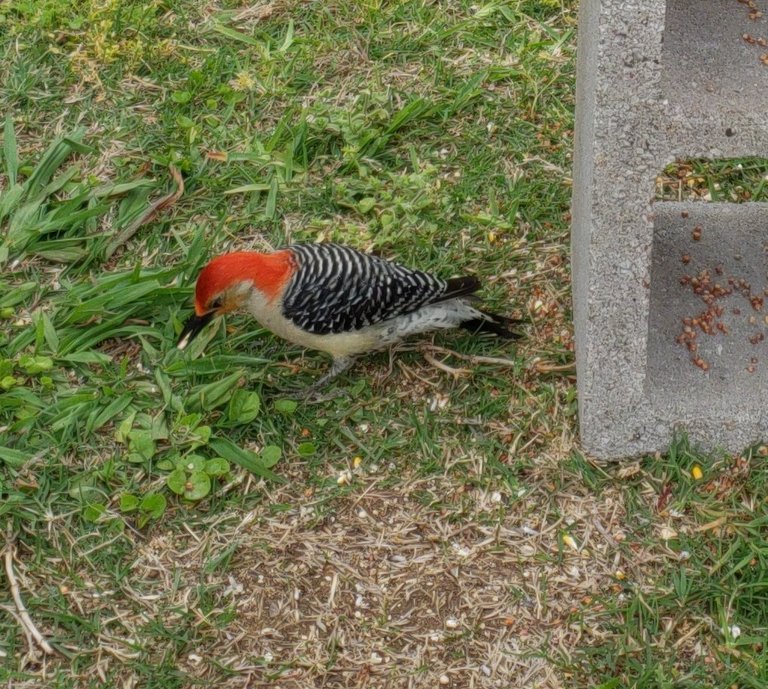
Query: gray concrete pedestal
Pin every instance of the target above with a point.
(657, 82)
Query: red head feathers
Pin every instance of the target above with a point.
(267, 272)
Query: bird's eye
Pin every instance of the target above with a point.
(216, 303)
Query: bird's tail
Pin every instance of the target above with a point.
(494, 324)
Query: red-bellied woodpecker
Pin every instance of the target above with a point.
(337, 300)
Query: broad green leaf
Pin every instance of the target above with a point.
(286, 407)
(216, 467)
(270, 455)
(14, 458)
(7, 382)
(306, 449)
(83, 487)
(140, 443)
(190, 463)
(177, 481)
(366, 205)
(32, 365)
(200, 436)
(198, 485)
(153, 504)
(91, 513)
(244, 406)
(158, 427)
(187, 423)
(128, 502)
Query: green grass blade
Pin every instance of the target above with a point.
(10, 152)
(288, 40)
(271, 206)
(109, 412)
(10, 199)
(52, 160)
(236, 35)
(244, 458)
(249, 188)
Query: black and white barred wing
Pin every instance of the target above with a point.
(338, 289)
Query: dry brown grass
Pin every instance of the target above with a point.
(431, 583)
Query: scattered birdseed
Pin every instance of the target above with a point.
(710, 320)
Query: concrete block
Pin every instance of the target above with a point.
(659, 81)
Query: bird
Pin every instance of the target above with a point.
(337, 299)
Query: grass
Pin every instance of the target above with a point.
(174, 522)
(725, 180)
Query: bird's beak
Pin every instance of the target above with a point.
(193, 327)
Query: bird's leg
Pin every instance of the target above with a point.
(339, 365)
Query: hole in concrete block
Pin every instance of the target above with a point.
(708, 323)
(713, 55)
(735, 180)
